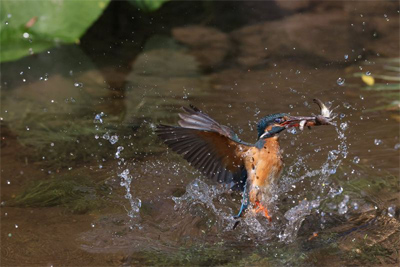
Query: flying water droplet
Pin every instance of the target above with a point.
(97, 118)
(346, 105)
(113, 139)
(106, 136)
(342, 207)
(344, 126)
(346, 56)
(340, 81)
(378, 142)
(392, 211)
(118, 153)
(356, 159)
(292, 130)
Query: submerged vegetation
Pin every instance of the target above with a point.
(385, 81)
(78, 194)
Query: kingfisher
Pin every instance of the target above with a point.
(217, 151)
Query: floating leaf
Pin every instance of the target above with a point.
(369, 80)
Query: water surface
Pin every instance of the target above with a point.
(86, 182)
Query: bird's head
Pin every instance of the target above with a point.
(273, 124)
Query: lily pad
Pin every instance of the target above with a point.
(40, 25)
(148, 5)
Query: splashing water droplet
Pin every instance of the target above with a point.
(118, 153)
(97, 118)
(368, 73)
(340, 81)
(346, 105)
(392, 211)
(292, 130)
(342, 207)
(344, 126)
(378, 142)
(356, 159)
(106, 136)
(126, 182)
(397, 146)
(346, 56)
(113, 139)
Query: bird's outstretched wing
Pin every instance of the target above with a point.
(212, 148)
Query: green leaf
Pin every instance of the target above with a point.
(28, 27)
(148, 5)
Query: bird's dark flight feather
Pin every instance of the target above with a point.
(210, 147)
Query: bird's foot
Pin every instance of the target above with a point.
(260, 208)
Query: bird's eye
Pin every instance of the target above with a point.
(278, 120)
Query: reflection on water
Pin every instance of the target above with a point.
(85, 180)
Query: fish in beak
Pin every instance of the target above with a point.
(324, 118)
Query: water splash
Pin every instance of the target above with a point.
(295, 216)
(208, 197)
(198, 192)
(286, 227)
(135, 203)
(321, 182)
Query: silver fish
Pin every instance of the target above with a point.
(325, 112)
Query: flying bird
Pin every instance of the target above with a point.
(219, 154)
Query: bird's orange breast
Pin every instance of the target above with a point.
(263, 165)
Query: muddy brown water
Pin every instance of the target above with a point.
(127, 200)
